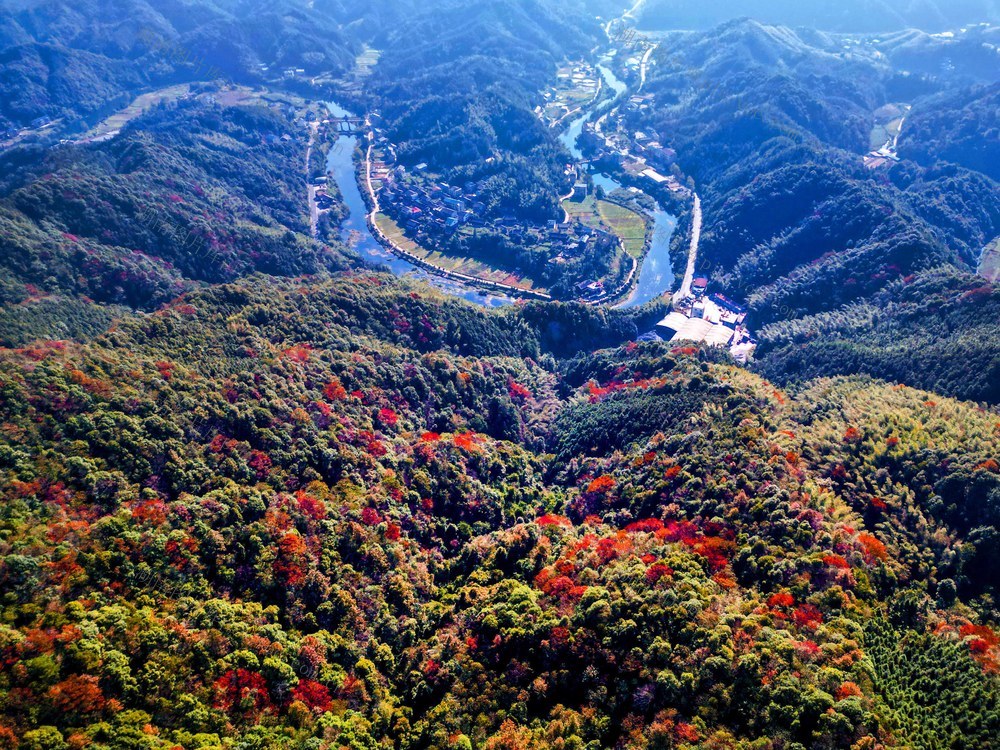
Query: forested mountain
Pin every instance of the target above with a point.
(255, 494)
(963, 56)
(772, 124)
(75, 59)
(456, 87)
(936, 330)
(354, 514)
(194, 193)
(960, 126)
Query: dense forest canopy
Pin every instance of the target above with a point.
(356, 513)
(456, 87)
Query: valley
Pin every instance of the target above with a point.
(437, 219)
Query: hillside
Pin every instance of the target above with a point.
(257, 493)
(355, 513)
(960, 126)
(935, 331)
(192, 194)
(79, 60)
(456, 88)
(772, 125)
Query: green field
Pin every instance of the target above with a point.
(628, 225)
(365, 61)
(888, 121)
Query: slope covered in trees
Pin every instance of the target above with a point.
(457, 86)
(354, 513)
(772, 125)
(958, 126)
(936, 331)
(78, 59)
(288, 504)
(196, 193)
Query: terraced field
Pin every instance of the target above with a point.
(628, 225)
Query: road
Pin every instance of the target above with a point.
(899, 130)
(631, 12)
(643, 65)
(313, 208)
(685, 287)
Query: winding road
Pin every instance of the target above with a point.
(313, 208)
(401, 252)
(643, 66)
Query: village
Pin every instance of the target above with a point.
(578, 85)
(13, 134)
(433, 212)
(639, 154)
(429, 217)
(441, 224)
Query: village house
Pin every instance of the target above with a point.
(714, 320)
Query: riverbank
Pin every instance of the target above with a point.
(371, 199)
(651, 275)
(345, 171)
(599, 212)
(648, 277)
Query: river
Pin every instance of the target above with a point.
(656, 275)
(357, 235)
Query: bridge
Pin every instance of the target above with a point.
(347, 125)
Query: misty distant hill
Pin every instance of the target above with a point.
(846, 16)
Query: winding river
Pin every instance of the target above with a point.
(357, 235)
(655, 274)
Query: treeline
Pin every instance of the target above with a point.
(851, 17)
